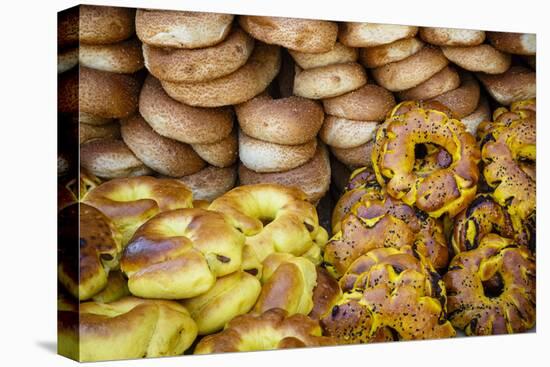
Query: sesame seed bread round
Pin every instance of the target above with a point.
(111, 158)
(329, 81)
(240, 86)
(484, 58)
(516, 84)
(101, 25)
(410, 72)
(480, 114)
(443, 81)
(262, 156)
(211, 182)
(355, 34)
(90, 132)
(312, 177)
(201, 64)
(354, 157)
(293, 120)
(340, 132)
(373, 57)
(181, 29)
(368, 103)
(109, 95)
(463, 100)
(303, 35)
(338, 55)
(514, 43)
(451, 36)
(178, 121)
(222, 153)
(166, 156)
(67, 59)
(122, 57)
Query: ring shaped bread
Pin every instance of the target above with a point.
(289, 121)
(130, 202)
(516, 84)
(101, 25)
(210, 182)
(99, 251)
(339, 54)
(108, 95)
(181, 29)
(201, 64)
(451, 36)
(483, 216)
(272, 329)
(90, 132)
(116, 288)
(123, 57)
(312, 177)
(179, 254)
(483, 58)
(325, 293)
(355, 157)
(274, 218)
(373, 57)
(390, 295)
(111, 158)
(378, 220)
(448, 189)
(463, 100)
(441, 82)
(166, 156)
(223, 153)
(329, 81)
(240, 86)
(491, 289)
(128, 328)
(287, 283)
(178, 121)
(343, 133)
(508, 149)
(232, 295)
(411, 71)
(355, 34)
(514, 43)
(304, 35)
(261, 156)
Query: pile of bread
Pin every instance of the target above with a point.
(206, 141)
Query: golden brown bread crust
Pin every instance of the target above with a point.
(516, 84)
(262, 156)
(483, 58)
(101, 25)
(67, 91)
(325, 294)
(289, 121)
(198, 65)
(354, 34)
(106, 94)
(181, 29)
(116, 288)
(312, 177)
(410, 72)
(122, 57)
(373, 57)
(179, 254)
(443, 81)
(368, 103)
(492, 288)
(210, 182)
(166, 156)
(223, 153)
(129, 202)
(303, 35)
(178, 121)
(514, 43)
(111, 158)
(445, 189)
(271, 330)
(451, 36)
(355, 157)
(90, 132)
(343, 133)
(463, 100)
(339, 54)
(67, 59)
(329, 81)
(129, 328)
(240, 86)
